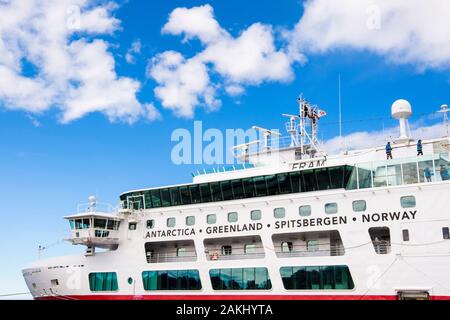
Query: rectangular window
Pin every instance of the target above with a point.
(240, 279)
(279, 213)
(156, 198)
(381, 239)
(408, 202)
(331, 208)
(195, 194)
(150, 224)
(317, 278)
(285, 183)
(216, 192)
(445, 233)
(249, 188)
(205, 192)
(227, 250)
(405, 234)
(359, 205)
(261, 187)
(98, 223)
(132, 226)
(175, 196)
(165, 198)
(250, 248)
(272, 185)
(211, 218)
(255, 215)
(103, 281)
(171, 222)
(226, 190)
(171, 280)
(185, 196)
(232, 216)
(238, 189)
(304, 211)
(190, 221)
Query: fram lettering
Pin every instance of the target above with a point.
(308, 164)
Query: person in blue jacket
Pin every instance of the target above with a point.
(419, 148)
(388, 151)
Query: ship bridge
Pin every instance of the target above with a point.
(95, 226)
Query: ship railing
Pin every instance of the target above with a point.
(311, 251)
(97, 207)
(382, 246)
(164, 257)
(235, 253)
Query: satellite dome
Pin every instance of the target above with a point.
(401, 109)
(92, 199)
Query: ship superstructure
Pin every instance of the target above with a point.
(290, 222)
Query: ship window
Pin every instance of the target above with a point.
(150, 224)
(185, 195)
(381, 239)
(445, 233)
(226, 190)
(331, 208)
(130, 280)
(255, 215)
(250, 248)
(323, 179)
(165, 198)
(100, 223)
(181, 252)
(408, 202)
(227, 250)
(195, 194)
(232, 216)
(175, 196)
(240, 279)
(261, 187)
(309, 180)
(171, 280)
(190, 221)
(312, 245)
(205, 192)
(272, 185)
(405, 234)
(156, 198)
(132, 226)
(211, 218)
(54, 282)
(171, 222)
(317, 278)
(238, 189)
(72, 224)
(286, 247)
(216, 192)
(279, 213)
(304, 211)
(359, 205)
(249, 188)
(103, 281)
(296, 182)
(285, 183)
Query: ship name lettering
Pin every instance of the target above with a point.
(308, 165)
(170, 233)
(389, 216)
(314, 222)
(234, 228)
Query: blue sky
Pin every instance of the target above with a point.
(54, 153)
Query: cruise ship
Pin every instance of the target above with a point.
(290, 221)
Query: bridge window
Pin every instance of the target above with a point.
(171, 222)
(171, 280)
(331, 208)
(304, 211)
(211, 218)
(190, 221)
(240, 279)
(232, 216)
(103, 281)
(99, 223)
(279, 213)
(408, 202)
(317, 278)
(359, 205)
(255, 215)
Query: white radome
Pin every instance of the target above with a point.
(401, 109)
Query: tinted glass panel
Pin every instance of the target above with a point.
(240, 279)
(331, 208)
(195, 194)
(175, 196)
(171, 280)
(408, 202)
(317, 278)
(359, 205)
(185, 195)
(285, 183)
(279, 213)
(226, 190)
(304, 211)
(205, 192)
(255, 215)
(238, 189)
(103, 281)
(216, 192)
(165, 198)
(156, 198)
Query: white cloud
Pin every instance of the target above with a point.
(366, 139)
(412, 31)
(183, 84)
(49, 59)
(248, 59)
(134, 50)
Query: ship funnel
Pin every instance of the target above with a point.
(401, 110)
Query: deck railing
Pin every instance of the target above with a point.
(311, 251)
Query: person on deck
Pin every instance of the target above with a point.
(419, 148)
(444, 173)
(428, 174)
(388, 151)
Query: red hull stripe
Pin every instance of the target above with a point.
(230, 297)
